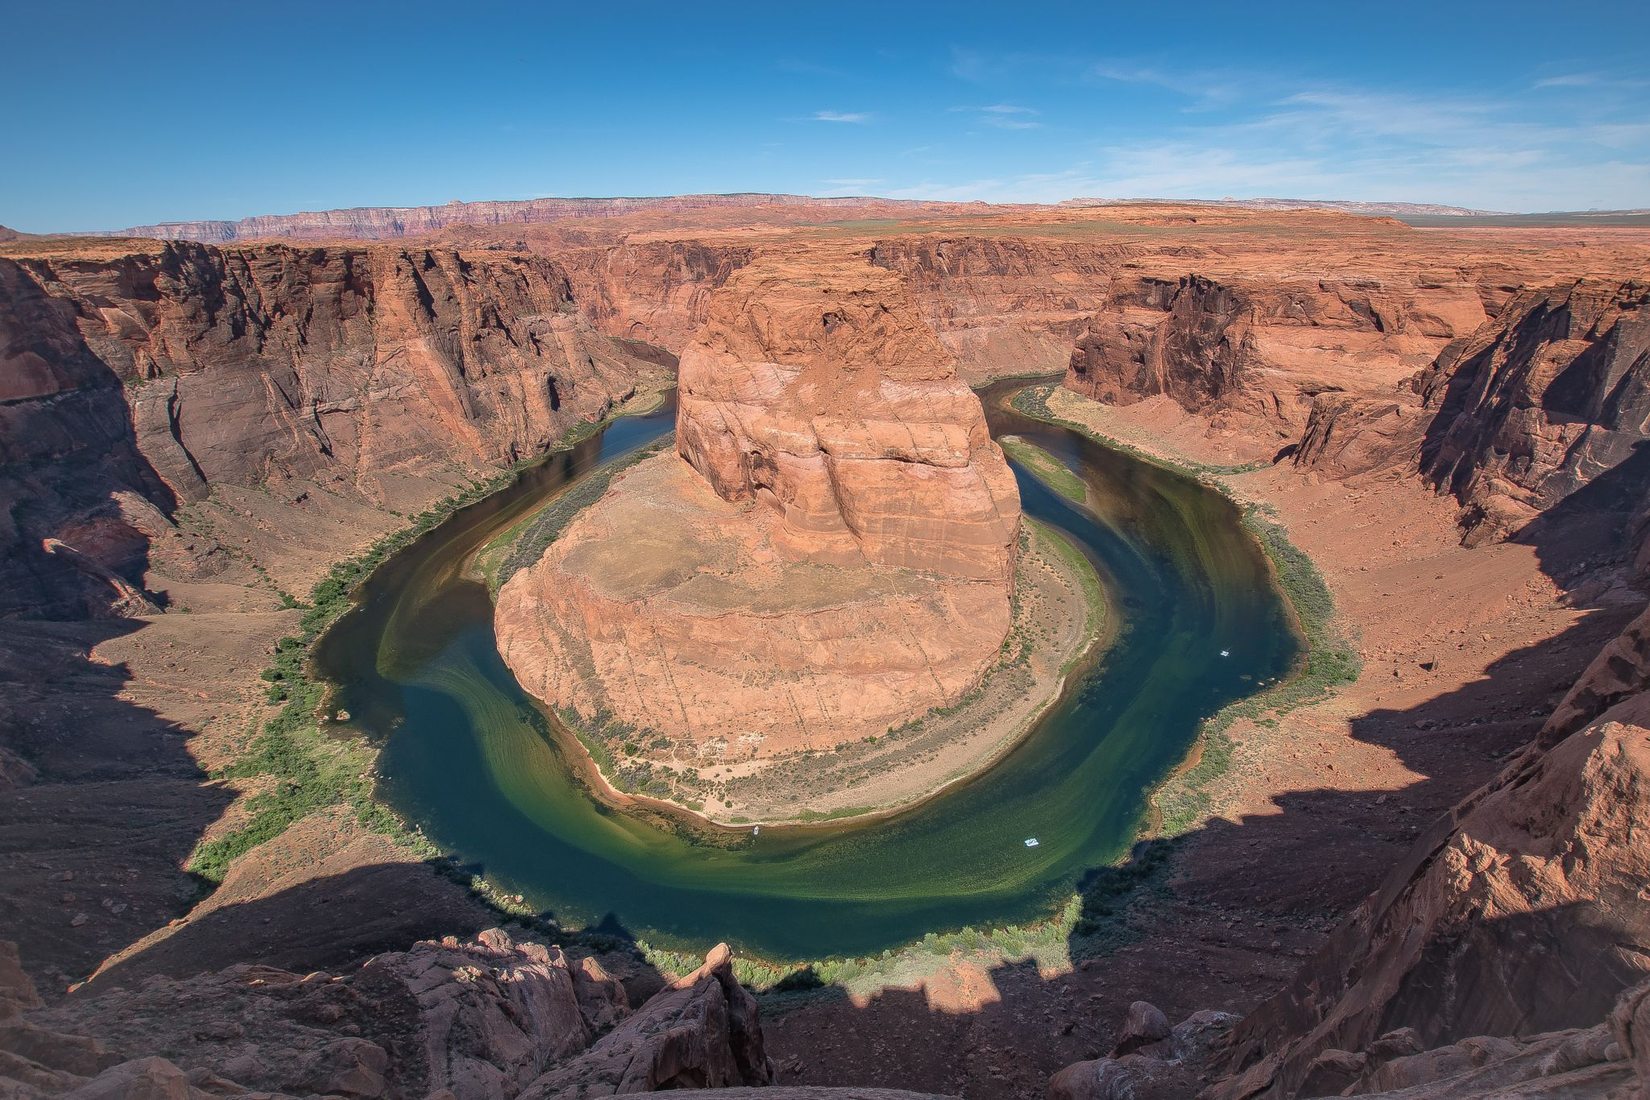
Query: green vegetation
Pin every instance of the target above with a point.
(1045, 942)
(1045, 468)
(525, 542)
(298, 766)
(1033, 401)
(1328, 659)
(293, 765)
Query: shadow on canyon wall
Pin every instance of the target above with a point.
(69, 454)
(104, 806)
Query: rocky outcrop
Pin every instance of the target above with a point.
(1170, 1066)
(1191, 340)
(833, 557)
(1538, 423)
(1349, 436)
(821, 394)
(136, 378)
(1522, 914)
(1545, 401)
(497, 1014)
(1004, 304)
(1255, 350)
(487, 1019)
(701, 1032)
(1597, 1063)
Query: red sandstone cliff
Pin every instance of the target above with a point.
(1004, 304)
(1256, 351)
(825, 397)
(1523, 912)
(1546, 400)
(157, 372)
(484, 1019)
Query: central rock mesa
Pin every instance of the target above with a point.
(829, 553)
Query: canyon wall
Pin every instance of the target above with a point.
(1551, 398)
(1004, 305)
(385, 222)
(657, 291)
(484, 1019)
(139, 378)
(1255, 352)
(1522, 912)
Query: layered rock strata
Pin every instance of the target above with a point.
(1256, 351)
(829, 553)
(137, 378)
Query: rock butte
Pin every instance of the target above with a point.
(828, 553)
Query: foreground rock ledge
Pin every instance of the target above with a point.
(830, 553)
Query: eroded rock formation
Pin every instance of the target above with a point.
(1258, 350)
(826, 398)
(1487, 961)
(830, 553)
(135, 378)
(1542, 402)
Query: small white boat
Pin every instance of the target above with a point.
(1225, 653)
(1031, 842)
(756, 830)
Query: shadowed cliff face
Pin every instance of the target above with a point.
(1540, 417)
(1190, 340)
(137, 378)
(1522, 913)
(1536, 404)
(487, 1018)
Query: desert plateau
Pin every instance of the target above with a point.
(944, 635)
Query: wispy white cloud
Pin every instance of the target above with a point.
(1008, 116)
(1202, 89)
(1212, 132)
(1004, 116)
(1568, 80)
(1592, 80)
(842, 116)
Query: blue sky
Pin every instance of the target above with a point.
(129, 113)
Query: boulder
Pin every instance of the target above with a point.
(700, 1032)
(1144, 1024)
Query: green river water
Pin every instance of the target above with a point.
(469, 757)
